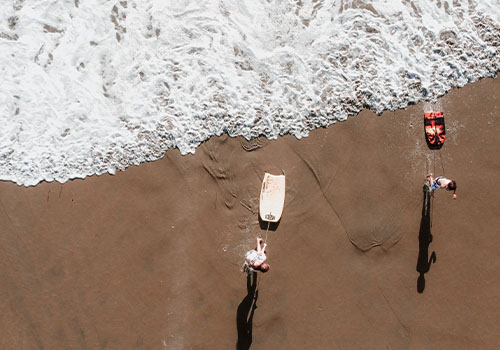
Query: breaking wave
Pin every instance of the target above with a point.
(93, 86)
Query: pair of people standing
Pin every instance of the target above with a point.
(255, 258)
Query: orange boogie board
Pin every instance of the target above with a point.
(435, 131)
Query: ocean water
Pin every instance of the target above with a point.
(92, 86)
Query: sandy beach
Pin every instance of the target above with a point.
(150, 258)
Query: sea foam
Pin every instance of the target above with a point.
(93, 86)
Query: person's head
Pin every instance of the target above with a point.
(264, 267)
(452, 186)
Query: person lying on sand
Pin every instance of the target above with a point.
(442, 182)
(254, 259)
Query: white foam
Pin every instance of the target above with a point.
(93, 86)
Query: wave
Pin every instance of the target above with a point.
(91, 87)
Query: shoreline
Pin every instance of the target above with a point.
(226, 134)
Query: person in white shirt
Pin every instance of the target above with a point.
(255, 258)
(442, 182)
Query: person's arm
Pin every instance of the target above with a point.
(259, 241)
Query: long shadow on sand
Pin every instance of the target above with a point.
(244, 315)
(424, 240)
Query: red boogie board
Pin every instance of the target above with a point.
(435, 131)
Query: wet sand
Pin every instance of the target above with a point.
(150, 258)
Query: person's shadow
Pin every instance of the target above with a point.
(244, 315)
(424, 240)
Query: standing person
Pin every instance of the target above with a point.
(254, 259)
(442, 182)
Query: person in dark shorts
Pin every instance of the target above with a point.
(442, 182)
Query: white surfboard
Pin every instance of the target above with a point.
(272, 197)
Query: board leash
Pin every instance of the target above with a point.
(434, 173)
(267, 230)
(434, 170)
(442, 166)
(265, 242)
